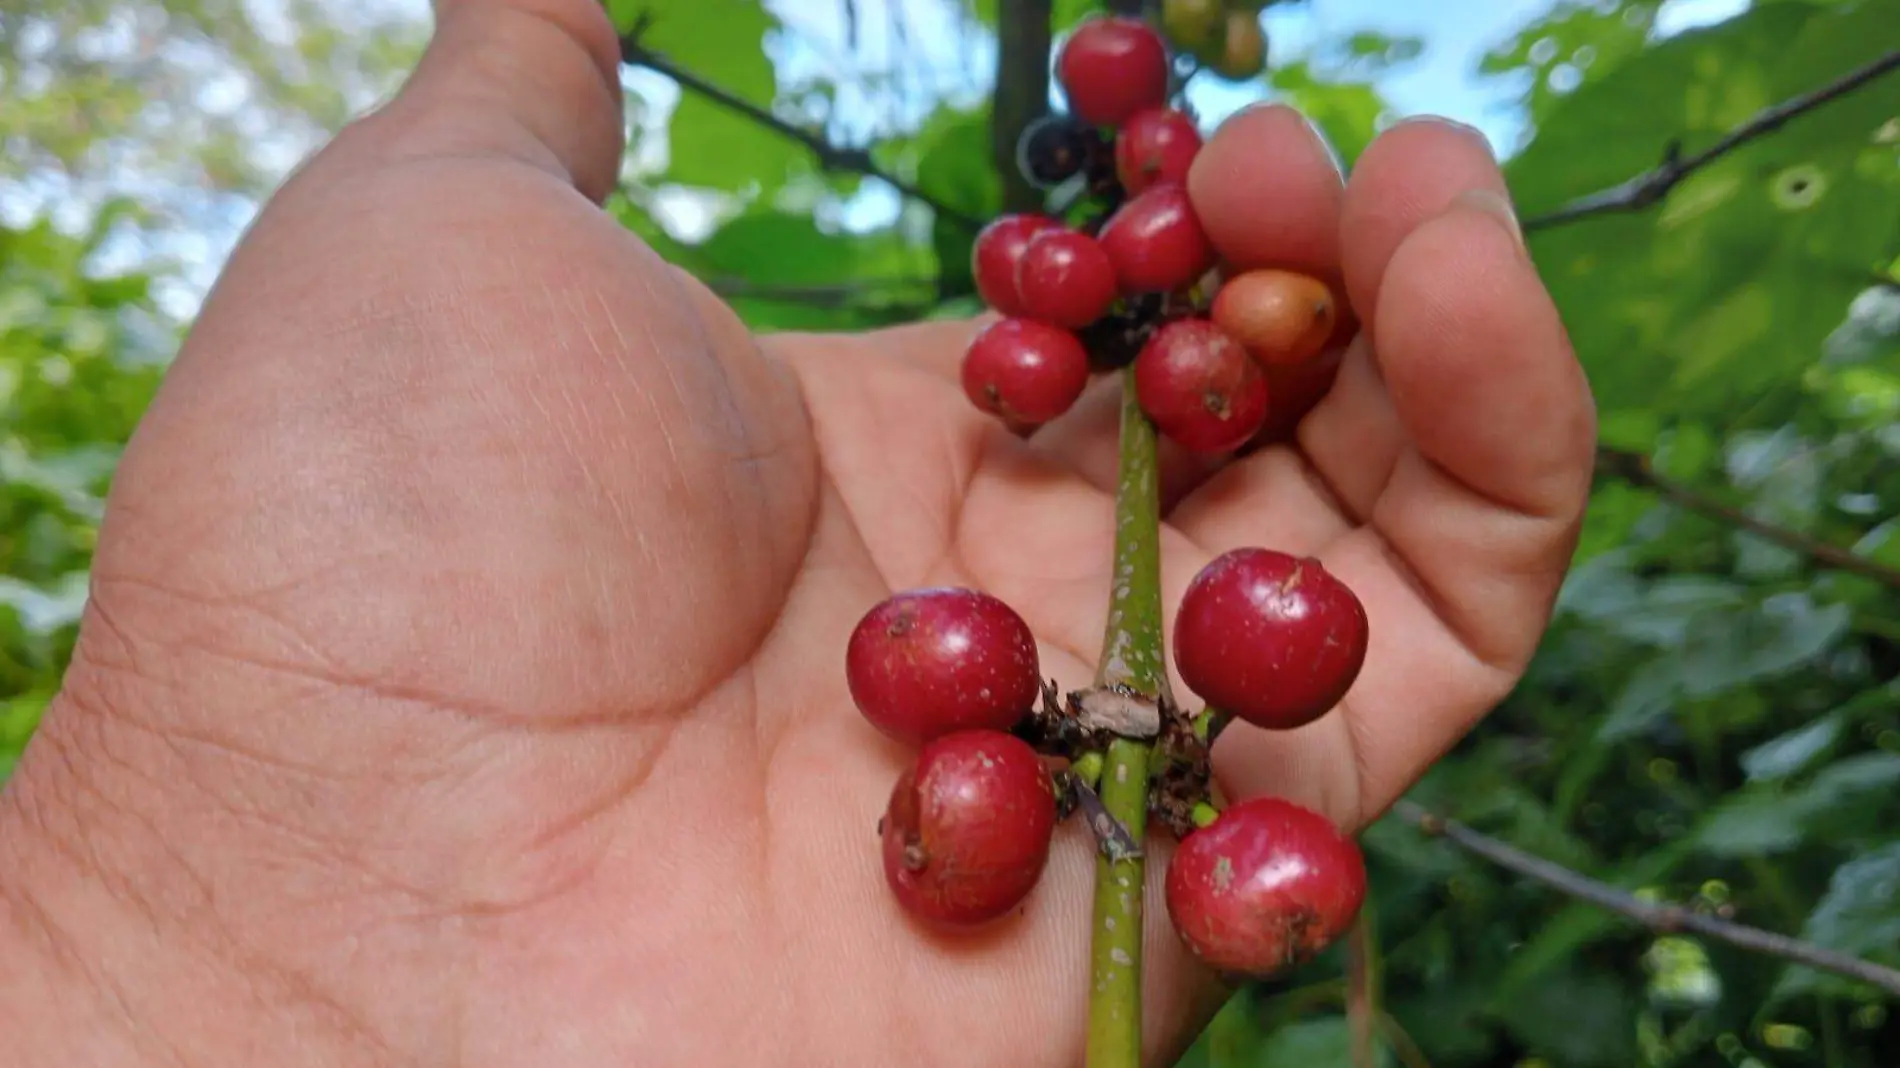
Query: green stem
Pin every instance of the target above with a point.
(1132, 656)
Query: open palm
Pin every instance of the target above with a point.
(463, 681)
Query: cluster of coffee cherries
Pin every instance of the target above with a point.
(1266, 637)
(1260, 636)
(1138, 280)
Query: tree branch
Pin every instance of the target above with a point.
(1658, 917)
(1021, 93)
(1638, 470)
(831, 157)
(1649, 188)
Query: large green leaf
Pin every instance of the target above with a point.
(1347, 111)
(838, 279)
(1575, 1018)
(1063, 13)
(1720, 300)
(950, 157)
(1578, 43)
(1848, 798)
(709, 145)
(1859, 915)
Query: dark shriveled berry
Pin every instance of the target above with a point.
(1200, 387)
(1115, 340)
(966, 833)
(1263, 888)
(1156, 241)
(1155, 145)
(996, 252)
(1024, 372)
(927, 662)
(1054, 149)
(1065, 279)
(1111, 67)
(1272, 638)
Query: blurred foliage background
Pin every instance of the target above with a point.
(1712, 720)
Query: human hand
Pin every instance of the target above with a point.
(463, 679)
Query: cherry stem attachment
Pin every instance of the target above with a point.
(1205, 813)
(1133, 656)
(1209, 722)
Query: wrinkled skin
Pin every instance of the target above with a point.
(464, 677)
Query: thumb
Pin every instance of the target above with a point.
(536, 81)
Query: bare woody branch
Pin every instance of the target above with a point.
(830, 156)
(1023, 39)
(1661, 918)
(1638, 470)
(1649, 188)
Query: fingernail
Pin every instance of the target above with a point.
(1326, 145)
(1312, 128)
(1494, 204)
(1462, 129)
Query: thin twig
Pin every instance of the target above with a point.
(1659, 917)
(1362, 993)
(1650, 187)
(1404, 1046)
(830, 156)
(1638, 470)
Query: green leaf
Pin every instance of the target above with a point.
(1582, 1019)
(1859, 915)
(842, 278)
(1721, 651)
(952, 163)
(710, 146)
(1308, 1042)
(1843, 800)
(624, 13)
(1790, 753)
(1718, 302)
(1064, 14)
(1585, 41)
(1347, 111)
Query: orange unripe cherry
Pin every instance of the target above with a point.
(1281, 317)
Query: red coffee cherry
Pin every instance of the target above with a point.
(1111, 67)
(1156, 241)
(1263, 888)
(1065, 279)
(1272, 638)
(967, 830)
(1155, 145)
(926, 662)
(1024, 372)
(996, 252)
(1200, 387)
